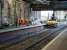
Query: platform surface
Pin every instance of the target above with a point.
(58, 43)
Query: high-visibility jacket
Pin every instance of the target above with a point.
(23, 21)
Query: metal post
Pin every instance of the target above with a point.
(1, 14)
(15, 14)
(1, 4)
(8, 12)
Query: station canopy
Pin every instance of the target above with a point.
(38, 5)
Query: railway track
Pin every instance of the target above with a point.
(35, 41)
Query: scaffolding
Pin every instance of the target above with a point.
(12, 11)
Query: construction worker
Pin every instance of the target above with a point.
(22, 21)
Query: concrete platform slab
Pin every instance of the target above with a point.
(59, 43)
